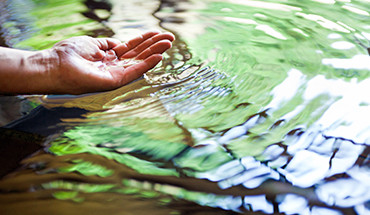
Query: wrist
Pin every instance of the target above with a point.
(27, 72)
(43, 66)
(37, 69)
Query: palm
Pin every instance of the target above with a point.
(103, 64)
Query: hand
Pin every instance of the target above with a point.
(87, 64)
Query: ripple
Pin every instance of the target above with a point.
(259, 107)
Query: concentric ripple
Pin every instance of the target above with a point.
(259, 107)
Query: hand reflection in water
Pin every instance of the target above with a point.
(81, 64)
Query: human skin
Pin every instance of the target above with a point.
(80, 64)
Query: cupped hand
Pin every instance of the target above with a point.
(87, 64)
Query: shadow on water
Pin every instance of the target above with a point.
(214, 129)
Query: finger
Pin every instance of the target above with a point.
(134, 72)
(98, 55)
(107, 43)
(125, 47)
(157, 48)
(148, 43)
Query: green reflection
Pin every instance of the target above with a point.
(87, 168)
(203, 159)
(139, 165)
(54, 21)
(256, 44)
(116, 141)
(68, 195)
(179, 193)
(254, 50)
(77, 187)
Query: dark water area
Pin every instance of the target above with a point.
(260, 107)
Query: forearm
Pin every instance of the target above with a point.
(25, 72)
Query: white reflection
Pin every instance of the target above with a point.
(362, 209)
(278, 162)
(356, 62)
(334, 36)
(265, 28)
(301, 32)
(241, 20)
(248, 171)
(360, 174)
(324, 211)
(226, 10)
(222, 172)
(238, 131)
(343, 192)
(342, 45)
(306, 168)
(272, 152)
(325, 1)
(227, 203)
(270, 31)
(285, 91)
(266, 5)
(259, 203)
(233, 133)
(261, 16)
(257, 181)
(348, 116)
(355, 10)
(346, 26)
(293, 204)
(323, 22)
(345, 157)
(347, 121)
(301, 142)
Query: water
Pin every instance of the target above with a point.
(260, 107)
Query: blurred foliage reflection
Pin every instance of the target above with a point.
(260, 107)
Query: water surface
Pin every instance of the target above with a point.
(260, 107)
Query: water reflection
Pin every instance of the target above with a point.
(258, 108)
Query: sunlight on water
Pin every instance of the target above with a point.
(260, 106)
